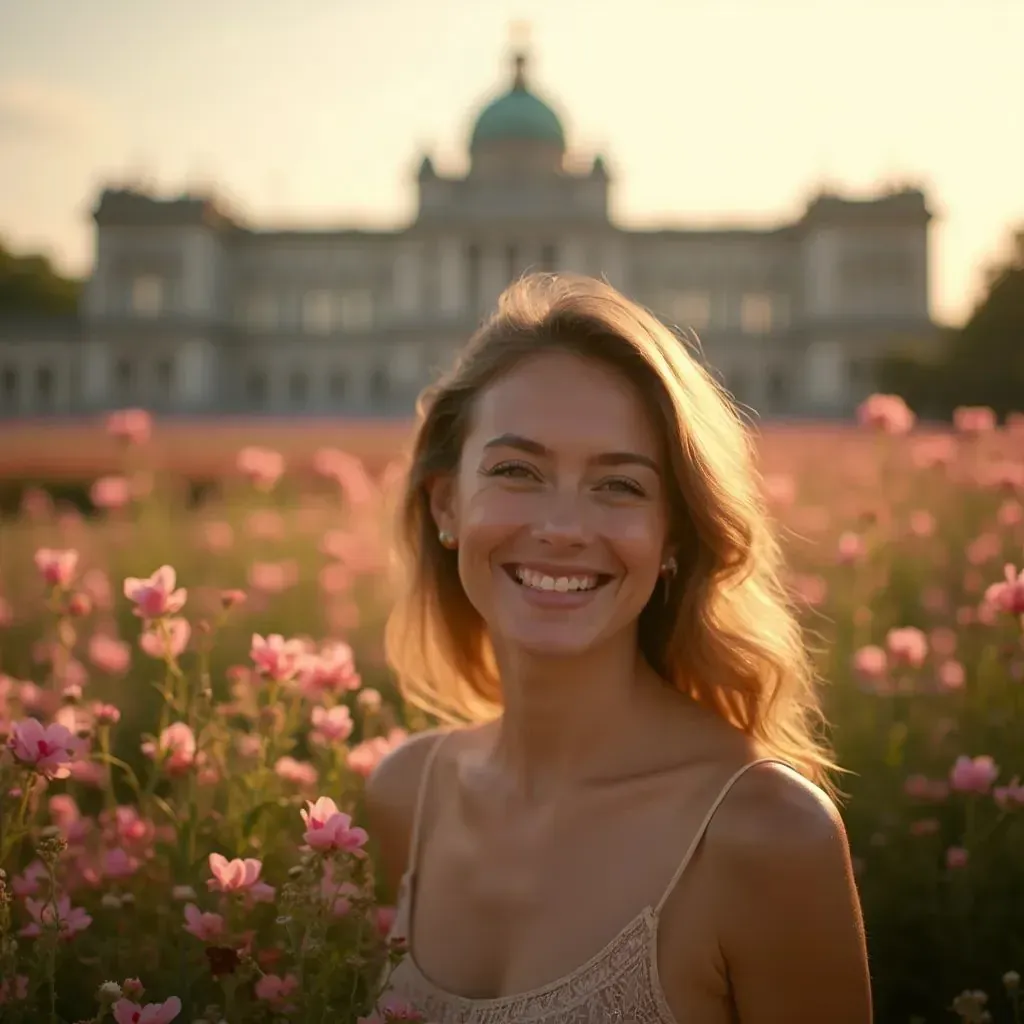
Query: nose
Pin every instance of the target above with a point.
(563, 521)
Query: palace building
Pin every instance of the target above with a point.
(191, 310)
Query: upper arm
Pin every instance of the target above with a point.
(792, 931)
(391, 792)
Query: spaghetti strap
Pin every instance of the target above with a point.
(421, 799)
(695, 842)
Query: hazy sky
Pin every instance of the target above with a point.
(709, 111)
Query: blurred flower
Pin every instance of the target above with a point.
(110, 492)
(156, 595)
(973, 775)
(262, 466)
(166, 639)
(48, 749)
(205, 927)
(56, 566)
(276, 658)
(131, 425)
(907, 646)
(1008, 595)
(58, 914)
(126, 1012)
(974, 419)
(887, 413)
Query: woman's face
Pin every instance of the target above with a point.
(559, 506)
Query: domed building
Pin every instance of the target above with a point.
(189, 309)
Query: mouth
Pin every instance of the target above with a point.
(580, 582)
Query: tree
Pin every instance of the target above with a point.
(981, 363)
(30, 285)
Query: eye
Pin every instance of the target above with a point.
(512, 470)
(623, 485)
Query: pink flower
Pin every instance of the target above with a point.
(332, 670)
(1008, 595)
(907, 646)
(233, 875)
(133, 426)
(155, 596)
(887, 413)
(166, 639)
(110, 492)
(365, 756)
(331, 725)
(17, 991)
(974, 419)
(973, 775)
(302, 773)
(851, 548)
(870, 662)
(262, 466)
(48, 749)
(276, 658)
(109, 655)
(327, 828)
(275, 990)
(956, 857)
(177, 744)
(392, 1008)
(57, 567)
(47, 914)
(205, 927)
(126, 1012)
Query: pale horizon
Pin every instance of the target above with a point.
(720, 113)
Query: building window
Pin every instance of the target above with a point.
(405, 364)
(44, 387)
(9, 386)
(406, 282)
(473, 276)
(337, 385)
(256, 389)
(380, 386)
(298, 388)
(549, 258)
(689, 309)
(825, 372)
(147, 295)
(262, 312)
(319, 312)
(124, 378)
(164, 378)
(356, 310)
(756, 314)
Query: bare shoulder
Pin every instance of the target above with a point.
(391, 791)
(773, 812)
(789, 916)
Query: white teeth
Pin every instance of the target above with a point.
(562, 584)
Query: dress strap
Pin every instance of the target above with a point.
(695, 842)
(421, 799)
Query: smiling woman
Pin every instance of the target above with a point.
(631, 819)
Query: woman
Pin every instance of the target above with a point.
(635, 826)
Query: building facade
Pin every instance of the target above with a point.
(190, 310)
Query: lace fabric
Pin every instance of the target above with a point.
(620, 983)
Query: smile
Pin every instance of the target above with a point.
(534, 579)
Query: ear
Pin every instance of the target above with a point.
(442, 493)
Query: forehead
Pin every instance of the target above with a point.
(565, 400)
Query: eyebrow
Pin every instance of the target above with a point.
(526, 444)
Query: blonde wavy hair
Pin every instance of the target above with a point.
(723, 633)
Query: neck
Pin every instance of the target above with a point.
(559, 714)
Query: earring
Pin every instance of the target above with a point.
(669, 567)
(447, 539)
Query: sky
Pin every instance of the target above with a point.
(709, 112)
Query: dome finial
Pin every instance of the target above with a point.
(519, 36)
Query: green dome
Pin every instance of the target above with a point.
(518, 115)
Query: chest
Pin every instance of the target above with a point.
(510, 906)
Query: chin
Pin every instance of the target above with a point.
(554, 642)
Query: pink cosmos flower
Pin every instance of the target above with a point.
(109, 654)
(327, 828)
(262, 466)
(57, 567)
(276, 658)
(973, 775)
(332, 670)
(45, 914)
(331, 725)
(167, 639)
(233, 875)
(205, 927)
(365, 756)
(301, 773)
(907, 646)
(48, 749)
(177, 743)
(1008, 595)
(887, 413)
(870, 662)
(110, 492)
(133, 426)
(275, 990)
(956, 857)
(974, 419)
(392, 1008)
(155, 596)
(126, 1012)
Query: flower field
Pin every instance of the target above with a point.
(192, 693)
